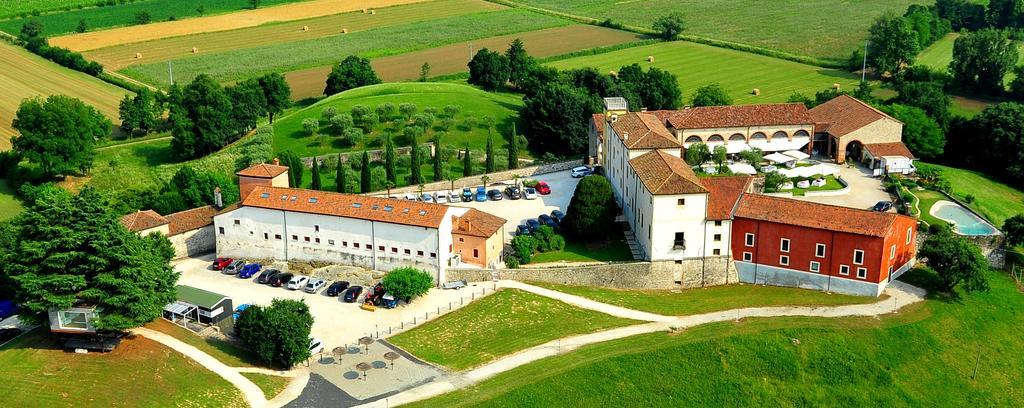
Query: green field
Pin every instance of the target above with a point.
(270, 384)
(994, 200)
(923, 356)
(10, 205)
(928, 198)
(124, 14)
(940, 54)
(497, 325)
(394, 40)
(829, 29)
(37, 372)
(609, 250)
(223, 351)
(12, 8)
(738, 72)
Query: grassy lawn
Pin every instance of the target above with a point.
(610, 250)
(825, 28)
(270, 384)
(738, 72)
(830, 184)
(712, 299)
(994, 200)
(227, 353)
(10, 204)
(37, 372)
(497, 325)
(922, 356)
(928, 198)
(940, 54)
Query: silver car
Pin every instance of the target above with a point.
(314, 284)
(454, 197)
(441, 198)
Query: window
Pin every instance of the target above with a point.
(380, 247)
(237, 222)
(251, 233)
(681, 201)
(433, 254)
(680, 241)
(844, 269)
(910, 234)
(317, 240)
(462, 239)
(394, 250)
(716, 251)
(718, 237)
(419, 253)
(316, 228)
(408, 252)
(266, 235)
(305, 239)
(892, 252)
(862, 273)
(858, 257)
(277, 237)
(783, 260)
(747, 257)
(890, 271)
(355, 245)
(819, 250)
(344, 244)
(718, 223)
(330, 242)
(784, 245)
(815, 267)
(295, 237)
(220, 230)
(749, 239)
(476, 253)
(370, 247)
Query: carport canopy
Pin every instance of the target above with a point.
(180, 308)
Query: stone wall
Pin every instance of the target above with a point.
(195, 242)
(375, 155)
(523, 172)
(691, 273)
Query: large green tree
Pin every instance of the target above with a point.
(592, 209)
(295, 166)
(927, 95)
(317, 181)
(981, 59)
(669, 26)
(489, 158)
(488, 70)
(139, 112)
(364, 174)
(1013, 228)
(340, 182)
(1005, 13)
(58, 133)
(513, 149)
(711, 95)
(893, 44)
(438, 169)
(249, 103)
(520, 63)
(389, 158)
(65, 250)
(276, 93)
(201, 121)
(407, 282)
(467, 164)
(351, 72)
(415, 175)
(196, 189)
(922, 134)
(556, 118)
(278, 334)
(957, 261)
(1002, 127)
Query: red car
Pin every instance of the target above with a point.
(221, 263)
(543, 188)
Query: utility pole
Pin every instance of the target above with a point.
(170, 73)
(864, 66)
(470, 52)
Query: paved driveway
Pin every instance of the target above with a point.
(865, 190)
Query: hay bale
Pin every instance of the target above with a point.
(613, 73)
(138, 55)
(835, 86)
(372, 12)
(344, 31)
(650, 58)
(195, 50)
(305, 28)
(756, 91)
(364, 11)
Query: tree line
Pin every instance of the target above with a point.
(31, 37)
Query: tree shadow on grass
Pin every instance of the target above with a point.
(928, 280)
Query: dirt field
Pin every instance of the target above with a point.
(453, 58)
(120, 56)
(241, 19)
(23, 75)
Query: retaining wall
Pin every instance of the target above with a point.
(195, 242)
(523, 172)
(690, 273)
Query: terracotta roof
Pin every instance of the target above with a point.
(844, 114)
(599, 121)
(390, 210)
(189, 220)
(889, 149)
(815, 215)
(143, 220)
(642, 130)
(477, 223)
(725, 193)
(665, 174)
(263, 170)
(705, 117)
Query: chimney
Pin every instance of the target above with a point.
(615, 118)
(467, 225)
(218, 199)
(625, 136)
(276, 162)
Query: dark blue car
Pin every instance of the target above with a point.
(249, 270)
(533, 225)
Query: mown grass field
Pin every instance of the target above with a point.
(37, 372)
(738, 72)
(10, 204)
(829, 29)
(223, 351)
(473, 102)
(923, 356)
(711, 299)
(120, 56)
(14, 8)
(995, 200)
(270, 384)
(608, 250)
(940, 54)
(497, 325)
(24, 75)
(928, 198)
(394, 40)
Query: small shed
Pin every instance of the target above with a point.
(200, 306)
(75, 320)
(889, 158)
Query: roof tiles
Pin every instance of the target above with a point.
(390, 210)
(844, 114)
(189, 220)
(642, 130)
(724, 194)
(707, 117)
(815, 215)
(665, 174)
(477, 223)
(263, 170)
(889, 149)
(143, 220)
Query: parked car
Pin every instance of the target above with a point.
(410, 197)
(280, 279)
(495, 195)
(314, 284)
(545, 219)
(389, 301)
(266, 275)
(8, 334)
(249, 270)
(467, 194)
(297, 282)
(7, 309)
(233, 268)
(513, 193)
(481, 194)
(522, 229)
(375, 295)
(557, 215)
(352, 293)
(533, 225)
(453, 197)
(221, 263)
(543, 188)
(238, 310)
(316, 346)
(427, 197)
(336, 288)
(441, 198)
(882, 206)
(530, 193)
(581, 171)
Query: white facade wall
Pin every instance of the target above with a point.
(670, 218)
(746, 131)
(722, 244)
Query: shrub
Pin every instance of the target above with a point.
(592, 209)
(511, 262)
(328, 113)
(277, 334)
(407, 283)
(524, 247)
(969, 198)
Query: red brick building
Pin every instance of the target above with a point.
(786, 242)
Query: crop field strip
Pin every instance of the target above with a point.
(13, 8)
(24, 75)
(452, 58)
(120, 56)
(738, 72)
(250, 62)
(828, 29)
(230, 21)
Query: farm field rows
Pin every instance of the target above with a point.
(24, 75)
(250, 62)
(828, 29)
(738, 72)
(120, 56)
(452, 58)
(11, 8)
(230, 21)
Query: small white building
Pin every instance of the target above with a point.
(889, 158)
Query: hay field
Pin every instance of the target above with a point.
(451, 59)
(251, 62)
(739, 72)
(828, 29)
(231, 21)
(166, 49)
(24, 75)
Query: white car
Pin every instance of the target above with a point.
(410, 197)
(442, 198)
(297, 282)
(530, 193)
(454, 197)
(316, 346)
(314, 285)
(581, 171)
(427, 198)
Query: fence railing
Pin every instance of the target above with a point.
(474, 293)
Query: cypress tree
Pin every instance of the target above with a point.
(364, 176)
(438, 171)
(513, 150)
(467, 165)
(489, 161)
(339, 176)
(317, 183)
(414, 164)
(389, 159)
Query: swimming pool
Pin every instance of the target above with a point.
(964, 221)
